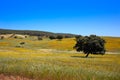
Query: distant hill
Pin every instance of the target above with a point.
(34, 33)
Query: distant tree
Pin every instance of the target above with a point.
(2, 37)
(77, 37)
(68, 36)
(21, 44)
(15, 37)
(90, 45)
(52, 37)
(59, 37)
(26, 36)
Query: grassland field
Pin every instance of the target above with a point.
(56, 60)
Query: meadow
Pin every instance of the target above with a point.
(56, 60)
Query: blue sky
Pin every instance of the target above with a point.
(85, 17)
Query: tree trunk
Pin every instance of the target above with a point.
(87, 55)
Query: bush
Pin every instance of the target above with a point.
(2, 37)
(52, 37)
(59, 37)
(15, 37)
(22, 43)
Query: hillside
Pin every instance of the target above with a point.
(33, 33)
(112, 43)
(55, 60)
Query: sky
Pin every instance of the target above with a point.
(84, 17)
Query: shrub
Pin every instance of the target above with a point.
(59, 37)
(2, 37)
(52, 37)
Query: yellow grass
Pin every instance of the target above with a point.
(59, 66)
(65, 44)
(112, 43)
(52, 60)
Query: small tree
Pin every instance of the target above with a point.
(22, 44)
(90, 44)
(15, 37)
(52, 37)
(26, 36)
(2, 37)
(59, 37)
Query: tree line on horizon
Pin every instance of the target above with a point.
(36, 33)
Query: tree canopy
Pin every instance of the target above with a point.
(90, 45)
(52, 37)
(59, 37)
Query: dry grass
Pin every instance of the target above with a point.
(113, 44)
(65, 44)
(59, 66)
(38, 60)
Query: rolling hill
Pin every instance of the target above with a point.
(33, 33)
